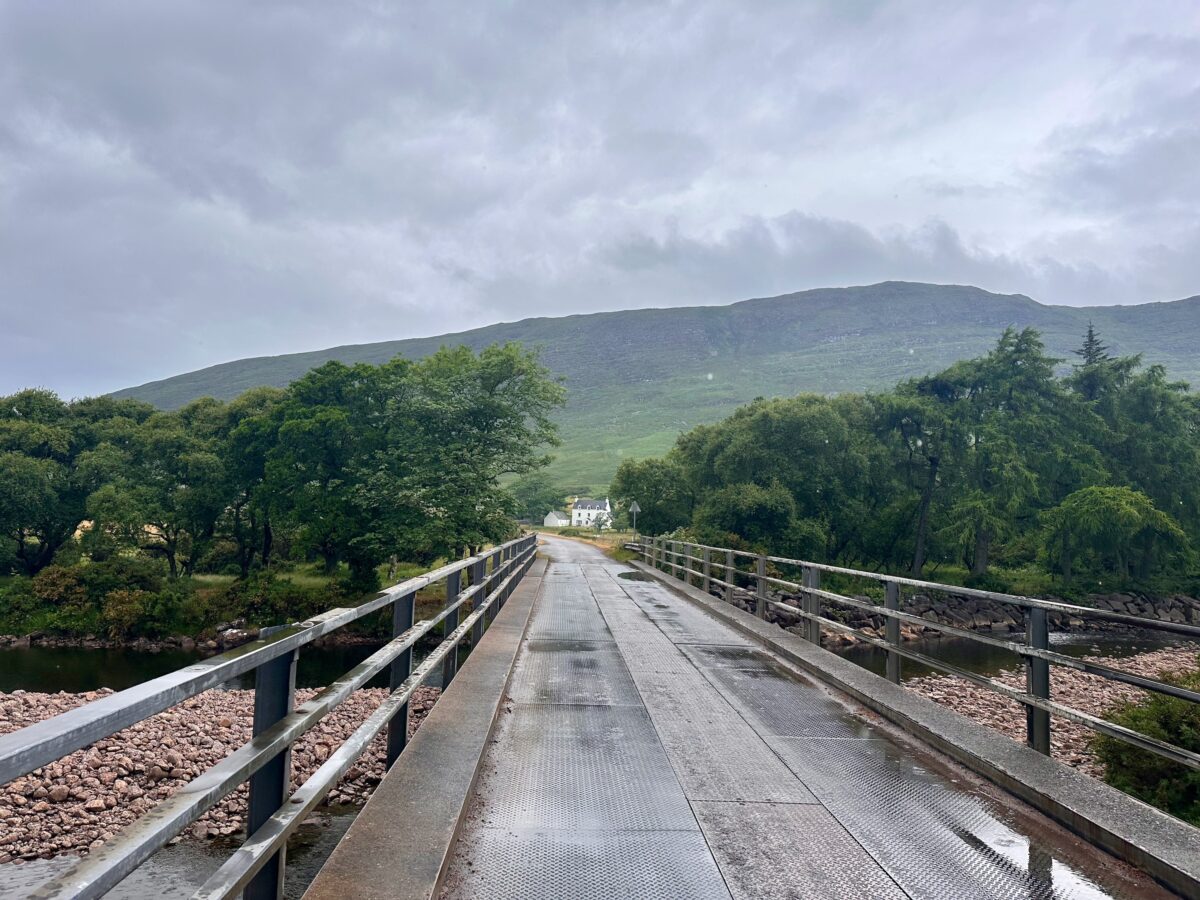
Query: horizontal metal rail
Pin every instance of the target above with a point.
(1035, 651)
(247, 860)
(30, 748)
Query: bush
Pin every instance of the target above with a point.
(1167, 785)
(123, 611)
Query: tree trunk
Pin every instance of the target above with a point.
(983, 546)
(923, 517)
(268, 543)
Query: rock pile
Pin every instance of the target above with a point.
(1069, 742)
(76, 804)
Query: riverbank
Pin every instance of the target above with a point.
(1070, 742)
(77, 803)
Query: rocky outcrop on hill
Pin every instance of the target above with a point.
(81, 801)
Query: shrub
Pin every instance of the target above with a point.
(1167, 785)
(123, 611)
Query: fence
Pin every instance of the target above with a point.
(679, 558)
(258, 866)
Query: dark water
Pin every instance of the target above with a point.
(74, 670)
(985, 660)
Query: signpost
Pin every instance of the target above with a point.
(634, 509)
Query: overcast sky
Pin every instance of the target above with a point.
(187, 183)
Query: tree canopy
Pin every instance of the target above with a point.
(1008, 459)
(350, 465)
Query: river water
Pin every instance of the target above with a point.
(176, 871)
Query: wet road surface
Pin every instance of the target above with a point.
(648, 750)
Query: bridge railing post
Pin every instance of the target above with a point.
(811, 578)
(675, 558)
(706, 573)
(760, 604)
(730, 576)
(891, 601)
(397, 733)
(479, 571)
(450, 663)
(1037, 680)
(274, 698)
(689, 564)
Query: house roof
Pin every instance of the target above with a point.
(589, 503)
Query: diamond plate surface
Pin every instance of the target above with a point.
(583, 672)
(573, 618)
(779, 704)
(935, 838)
(716, 755)
(581, 767)
(680, 620)
(587, 865)
(783, 851)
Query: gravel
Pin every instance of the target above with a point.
(77, 803)
(1069, 742)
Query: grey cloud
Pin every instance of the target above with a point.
(191, 182)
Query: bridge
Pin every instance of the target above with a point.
(648, 730)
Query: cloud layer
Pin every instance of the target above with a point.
(186, 183)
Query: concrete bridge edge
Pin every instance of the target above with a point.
(1158, 844)
(400, 843)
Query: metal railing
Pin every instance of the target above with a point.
(257, 868)
(681, 560)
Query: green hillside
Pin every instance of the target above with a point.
(637, 378)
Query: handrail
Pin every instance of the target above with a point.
(662, 554)
(260, 869)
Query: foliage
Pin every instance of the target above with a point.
(996, 460)
(660, 491)
(351, 465)
(534, 496)
(1108, 529)
(1167, 785)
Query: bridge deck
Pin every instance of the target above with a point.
(647, 750)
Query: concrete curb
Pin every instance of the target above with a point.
(1158, 844)
(398, 846)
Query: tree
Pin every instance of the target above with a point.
(49, 464)
(534, 497)
(658, 486)
(1110, 529)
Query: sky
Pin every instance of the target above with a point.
(187, 183)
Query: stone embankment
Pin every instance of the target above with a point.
(81, 801)
(1069, 742)
(969, 613)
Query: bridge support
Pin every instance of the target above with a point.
(450, 663)
(707, 571)
(730, 576)
(760, 602)
(812, 603)
(274, 698)
(397, 732)
(891, 601)
(1037, 680)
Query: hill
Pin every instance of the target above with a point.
(637, 378)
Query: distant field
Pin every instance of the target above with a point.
(638, 378)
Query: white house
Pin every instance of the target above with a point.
(555, 519)
(585, 511)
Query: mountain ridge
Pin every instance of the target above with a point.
(638, 377)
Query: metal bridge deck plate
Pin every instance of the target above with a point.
(638, 726)
(573, 672)
(785, 851)
(585, 865)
